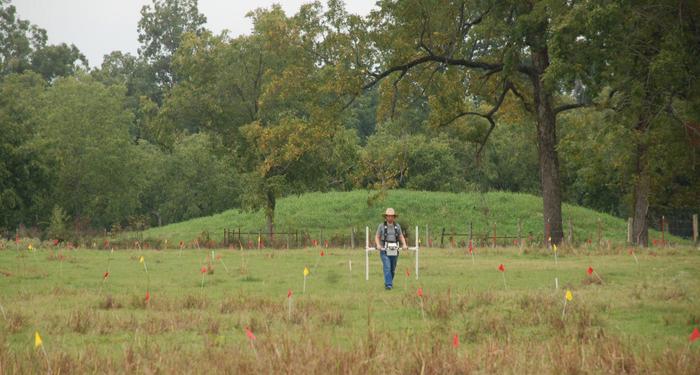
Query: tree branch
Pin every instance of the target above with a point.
(507, 86)
(433, 58)
(488, 115)
(566, 107)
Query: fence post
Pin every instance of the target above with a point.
(630, 237)
(520, 233)
(571, 232)
(417, 249)
(352, 238)
(470, 235)
(494, 234)
(600, 231)
(366, 253)
(695, 229)
(442, 238)
(663, 238)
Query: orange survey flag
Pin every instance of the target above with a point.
(455, 341)
(501, 267)
(250, 334)
(589, 271)
(420, 292)
(695, 335)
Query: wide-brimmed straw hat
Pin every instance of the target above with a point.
(390, 211)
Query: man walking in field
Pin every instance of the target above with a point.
(387, 240)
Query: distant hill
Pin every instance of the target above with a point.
(324, 215)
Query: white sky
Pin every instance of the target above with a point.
(98, 27)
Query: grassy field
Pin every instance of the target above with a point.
(324, 215)
(633, 315)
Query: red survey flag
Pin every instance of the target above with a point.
(289, 293)
(106, 275)
(589, 271)
(408, 273)
(148, 296)
(322, 253)
(455, 341)
(695, 335)
(250, 334)
(203, 270)
(55, 242)
(420, 292)
(501, 267)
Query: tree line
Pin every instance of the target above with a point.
(589, 102)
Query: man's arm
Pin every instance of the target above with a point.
(376, 241)
(403, 241)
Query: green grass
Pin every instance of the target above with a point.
(637, 320)
(326, 214)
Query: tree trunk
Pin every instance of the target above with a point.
(159, 218)
(270, 215)
(547, 149)
(642, 187)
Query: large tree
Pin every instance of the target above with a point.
(651, 72)
(22, 179)
(160, 29)
(83, 138)
(471, 57)
(18, 40)
(273, 99)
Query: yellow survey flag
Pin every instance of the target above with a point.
(569, 296)
(554, 247)
(37, 340)
(141, 260)
(30, 247)
(306, 271)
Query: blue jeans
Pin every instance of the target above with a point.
(389, 268)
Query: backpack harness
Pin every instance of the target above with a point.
(397, 233)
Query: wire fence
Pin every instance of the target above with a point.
(471, 234)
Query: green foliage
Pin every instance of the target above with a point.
(198, 123)
(83, 139)
(596, 165)
(58, 224)
(195, 180)
(160, 29)
(23, 182)
(18, 40)
(58, 61)
(413, 162)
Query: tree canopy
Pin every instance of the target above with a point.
(591, 102)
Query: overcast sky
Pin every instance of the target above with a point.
(98, 27)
